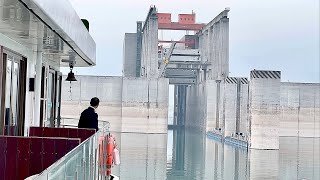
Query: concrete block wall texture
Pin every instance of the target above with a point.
(264, 107)
(145, 105)
(300, 109)
(129, 104)
(214, 105)
(202, 107)
(235, 105)
(210, 105)
(107, 89)
(129, 55)
(230, 107)
(298, 112)
(149, 54)
(214, 46)
(244, 108)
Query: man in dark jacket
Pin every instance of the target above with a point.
(89, 117)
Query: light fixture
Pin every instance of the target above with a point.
(71, 75)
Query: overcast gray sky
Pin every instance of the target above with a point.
(264, 34)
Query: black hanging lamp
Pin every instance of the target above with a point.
(71, 75)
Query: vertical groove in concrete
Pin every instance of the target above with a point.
(139, 45)
(218, 104)
(235, 106)
(238, 105)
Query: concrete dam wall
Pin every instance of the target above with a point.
(300, 109)
(228, 107)
(129, 104)
(255, 109)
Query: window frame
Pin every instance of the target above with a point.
(2, 84)
(44, 109)
(21, 90)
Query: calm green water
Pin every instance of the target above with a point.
(190, 155)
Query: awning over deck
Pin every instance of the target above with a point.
(52, 27)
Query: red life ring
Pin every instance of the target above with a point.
(106, 151)
(110, 148)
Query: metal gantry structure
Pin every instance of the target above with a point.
(187, 62)
(192, 59)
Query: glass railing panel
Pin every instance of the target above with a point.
(42, 176)
(80, 163)
(57, 172)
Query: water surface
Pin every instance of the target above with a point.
(191, 155)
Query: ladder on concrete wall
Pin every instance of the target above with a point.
(166, 60)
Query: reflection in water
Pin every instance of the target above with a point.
(191, 155)
(299, 158)
(143, 156)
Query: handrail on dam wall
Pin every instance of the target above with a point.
(86, 161)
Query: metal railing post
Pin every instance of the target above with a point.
(90, 165)
(95, 163)
(84, 169)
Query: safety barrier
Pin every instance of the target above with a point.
(21, 157)
(83, 162)
(83, 134)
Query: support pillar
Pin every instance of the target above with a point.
(37, 94)
(264, 107)
(238, 106)
(139, 46)
(235, 106)
(181, 105)
(175, 116)
(218, 105)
